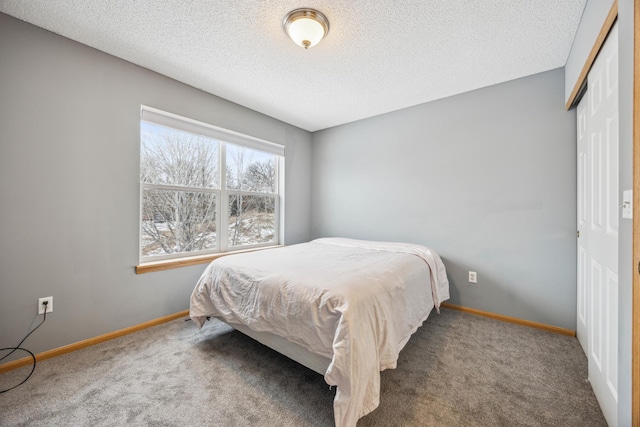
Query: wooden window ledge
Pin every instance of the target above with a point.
(167, 264)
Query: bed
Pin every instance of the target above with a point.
(342, 307)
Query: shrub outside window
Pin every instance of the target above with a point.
(205, 189)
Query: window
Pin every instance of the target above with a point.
(205, 189)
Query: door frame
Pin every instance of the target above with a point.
(635, 340)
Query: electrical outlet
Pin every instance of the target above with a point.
(41, 306)
(473, 277)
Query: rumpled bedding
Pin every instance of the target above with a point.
(354, 302)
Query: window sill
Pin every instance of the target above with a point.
(149, 267)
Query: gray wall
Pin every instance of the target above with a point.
(486, 178)
(69, 177)
(594, 16)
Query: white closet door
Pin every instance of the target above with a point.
(598, 226)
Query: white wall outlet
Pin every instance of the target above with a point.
(627, 204)
(473, 277)
(41, 305)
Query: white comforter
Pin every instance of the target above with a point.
(351, 301)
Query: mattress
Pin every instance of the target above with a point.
(352, 302)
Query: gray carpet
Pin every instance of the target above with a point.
(457, 370)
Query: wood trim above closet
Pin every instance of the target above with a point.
(602, 36)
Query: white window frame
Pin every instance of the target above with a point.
(223, 137)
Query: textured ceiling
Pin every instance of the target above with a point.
(379, 56)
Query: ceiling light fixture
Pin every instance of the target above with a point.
(306, 27)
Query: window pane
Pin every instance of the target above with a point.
(250, 170)
(251, 220)
(177, 222)
(174, 157)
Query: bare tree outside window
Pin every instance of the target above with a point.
(176, 221)
(172, 157)
(251, 217)
(195, 201)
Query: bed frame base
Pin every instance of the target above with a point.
(283, 346)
